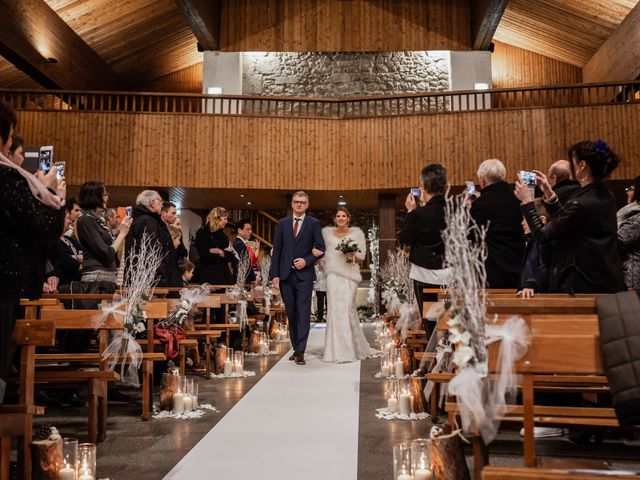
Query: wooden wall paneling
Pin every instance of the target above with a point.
(516, 67)
(128, 149)
(185, 80)
(338, 25)
(618, 59)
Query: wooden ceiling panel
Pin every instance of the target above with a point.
(567, 30)
(140, 39)
(11, 77)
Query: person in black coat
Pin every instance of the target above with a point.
(422, 232)
(31, 216)
(534, 277)
(66, 257)
(584, 230)
(244, 231)
(146, 219)
(560, 180)
(497, 208)
(214, 250)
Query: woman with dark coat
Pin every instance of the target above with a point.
(215, 250)
(31, 216)
(585, 255)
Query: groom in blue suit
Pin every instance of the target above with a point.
(292, 269)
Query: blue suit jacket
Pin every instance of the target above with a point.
(286, 247)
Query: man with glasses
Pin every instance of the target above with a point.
(147, 219)
(292, 269)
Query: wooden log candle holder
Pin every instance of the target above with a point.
(219, 358)
(447, 456)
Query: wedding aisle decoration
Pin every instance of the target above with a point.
(233, 366)
(240, 292)
(140, 280)
(404, 402)
(481, 403)
(262, 348)
(373, 296)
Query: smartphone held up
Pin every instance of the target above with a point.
(528, 178)
(60, 170)
(45, 158)
(471, 188)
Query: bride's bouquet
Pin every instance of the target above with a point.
(347, 245)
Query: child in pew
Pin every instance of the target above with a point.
(186, 270)
(534, 277)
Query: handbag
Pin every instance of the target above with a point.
(170, 334)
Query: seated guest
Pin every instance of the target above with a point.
(186, 270)
(633, 202)
(240, 246)
(535, 272)
(560, 180)
(585, 255)
(497, 209)
(99, 248)
(31, 215)
(422, 231)
(147, 219)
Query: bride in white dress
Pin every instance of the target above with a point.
(344, 340)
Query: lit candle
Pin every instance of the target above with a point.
(264, 348)
(188, 403)
(194, 402)
(404, 476)
(405, 404)
(385, 370)
(392, 404)
(67, 473)
(422, 474)
(399, 368)
(237, 367)
(228, 368)
(86, 476)
(278, 336)
(178, 403)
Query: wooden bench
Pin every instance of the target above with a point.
(17, 420)
(510, 473)
(32, 307)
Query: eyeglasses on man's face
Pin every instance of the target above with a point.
(299, 202)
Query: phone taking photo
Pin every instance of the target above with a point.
(45, 158)
(415, 191)
(129, 211)
(528, 178)
(471, 188)
(60, 170)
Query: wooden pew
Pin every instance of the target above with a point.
(510, 473)
(17, 420)
(32, 307)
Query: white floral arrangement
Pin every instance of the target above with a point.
(189, 298)
(374, 252)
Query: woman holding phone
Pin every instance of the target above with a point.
(31, 215)
(585, 256)
(99, 248)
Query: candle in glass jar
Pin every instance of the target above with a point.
(178, 403)
(422, 474)
(188, 403)
(67, 473)
(228, 368)
(385, 370)
(263, 349)
(237, 367)
(399, 369)
(86, 476)
(392, 404)
(404, 476)
(405, 404)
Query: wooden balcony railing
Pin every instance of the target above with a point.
(338, 108)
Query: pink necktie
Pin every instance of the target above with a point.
(295, 227)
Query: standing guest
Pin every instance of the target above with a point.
(585, 255)
(214, 250)
(181, 250)
(31, 215)
(241, 247)
(320, 287)
(535, 272)
(560, 180)
(497, 209)
(100, 249)
(16, 151)
(66, 257)
(169, 213)
(113, 221)
(147, 219)
(73, 210)
(633, 202)
(422, 231)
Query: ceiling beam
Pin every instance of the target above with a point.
(485, 17)
(618, 59)
(203, 16)
(38, 42)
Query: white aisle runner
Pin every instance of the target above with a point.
(298, 422)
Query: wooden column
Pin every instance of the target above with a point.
(387, 222)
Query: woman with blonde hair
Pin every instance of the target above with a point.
(214, 249)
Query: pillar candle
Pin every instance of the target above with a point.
(422, 474)
(405, 404)
(188, 403)
(385, 370)
(399, 369)
(237, 368)
(278, 336)
(392, 404)
(67, 473)
(404, 476)
(194, 402)
(178, 403)
(86, 476)
(228, 368)
(263, 349)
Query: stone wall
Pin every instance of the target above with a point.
(344, 74)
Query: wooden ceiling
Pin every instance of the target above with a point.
(143, 40)
(567, 30)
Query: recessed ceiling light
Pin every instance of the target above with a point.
(242, 195)
(248, 203)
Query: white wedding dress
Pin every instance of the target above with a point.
(344, 340)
